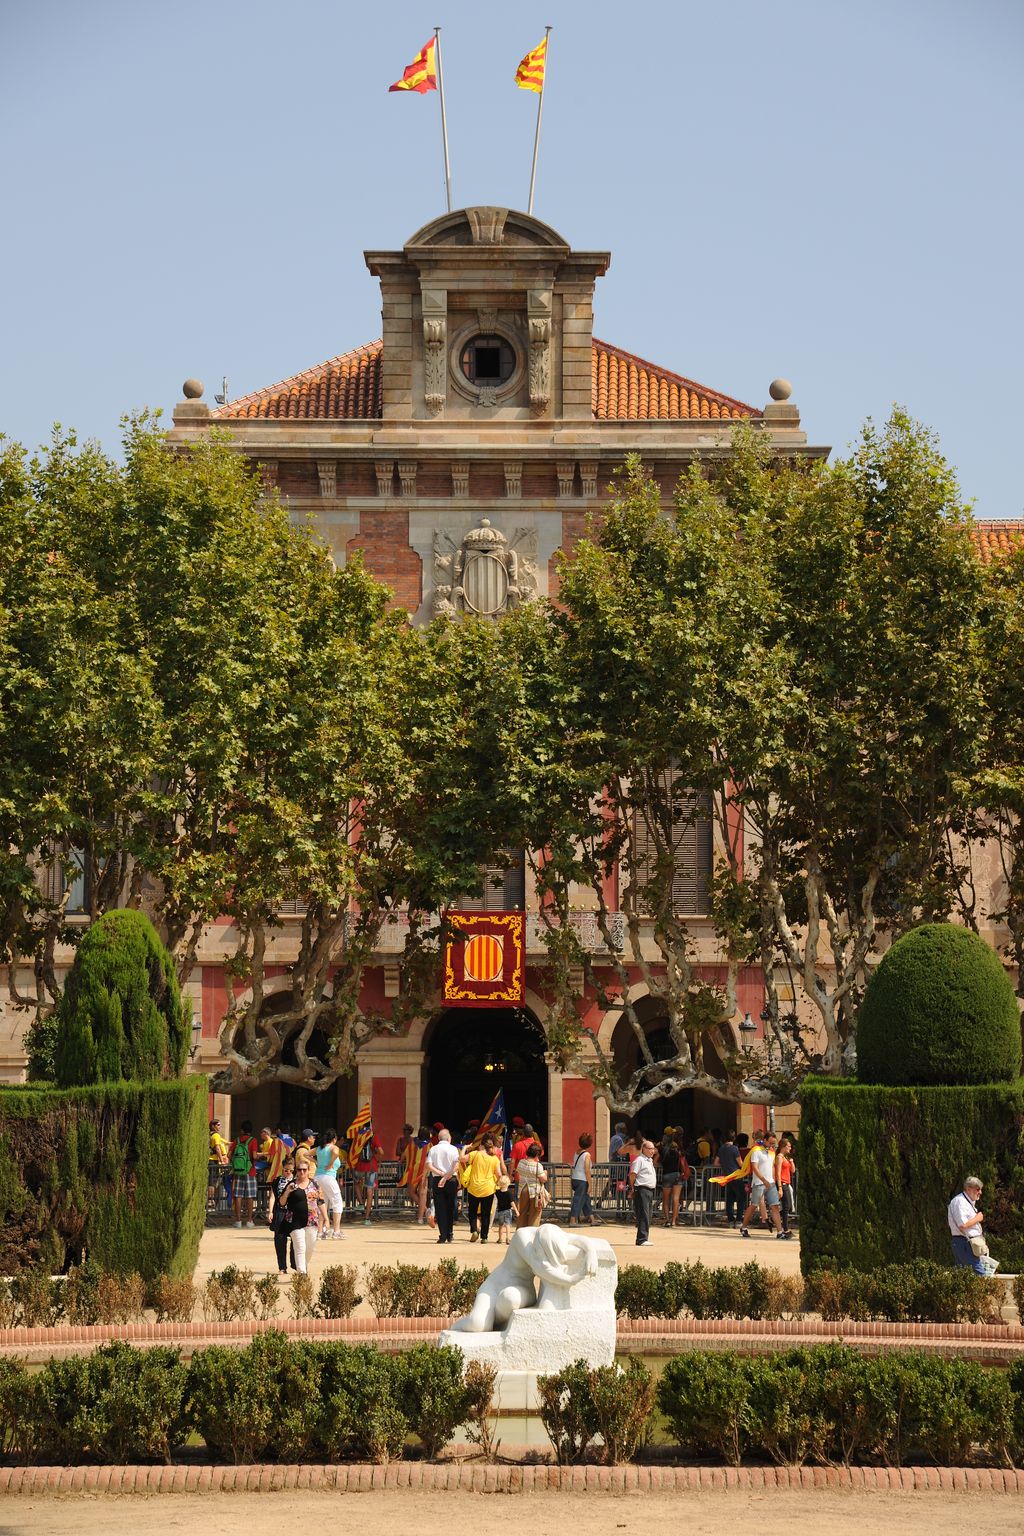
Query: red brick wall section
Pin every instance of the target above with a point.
(384, 539)
(387, 1104)
(578, 1114)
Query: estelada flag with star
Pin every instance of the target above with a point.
(421, 74)
(359, 1134)
(739, 1173)
(530, 74)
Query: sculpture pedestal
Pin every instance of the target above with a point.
(570, 1321)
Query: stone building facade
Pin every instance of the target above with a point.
(460, 453)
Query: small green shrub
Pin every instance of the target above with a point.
(301, 1296)
(622, 1398)
(638, 1292)
(432, 1394)
(705, 1401)
(173, 1301)
(939, 1009)
(566, 1412)
(120, 1298)
(480, 1383)
(81, 1288)
(116, 1405)
(230, 1294)
(361, 1415)
(17, 1425)
(38, 1299)
(232, 1398)
(339, 1291)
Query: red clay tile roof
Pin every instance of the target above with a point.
(994, 539)
(348, 388)
(345, 388)
(628, 389)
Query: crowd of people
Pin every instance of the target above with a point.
(494, 1179)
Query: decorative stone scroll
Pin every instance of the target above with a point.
(550, 1302)
(435, 337)
(484, 573)
(487, 225)
(538, 304)
(460, 478)
(407, 476)
(566, 473)
(588, 479)
(327, 470)
(513, 478)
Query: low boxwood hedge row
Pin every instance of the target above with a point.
(901, 1293)
(921, 1292)
(281, 1400)
(275, 1400)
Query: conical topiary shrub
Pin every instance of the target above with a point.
(121, 1017)
(939, 1009)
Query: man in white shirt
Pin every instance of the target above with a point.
(442, 1170)
(763, 1187)
(964, 1223)
(642, 1181)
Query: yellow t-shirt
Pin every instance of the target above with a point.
(218, 1148)
(483, 1174)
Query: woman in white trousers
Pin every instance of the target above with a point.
(305, 1203)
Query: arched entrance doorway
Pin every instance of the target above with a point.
(693, 1109)
(471, 1053)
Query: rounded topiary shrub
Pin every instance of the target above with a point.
(939, 1009)
(121, 1017)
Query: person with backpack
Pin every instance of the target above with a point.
(244, 1151)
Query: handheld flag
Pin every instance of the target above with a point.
(360, 1134)
(740, 1173)
(414, 1160)
(530, 74)
(421, 74)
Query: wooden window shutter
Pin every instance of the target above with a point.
(692, 838)
(504, 889)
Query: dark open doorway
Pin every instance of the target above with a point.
(471, 1053)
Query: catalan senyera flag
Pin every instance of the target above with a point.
(414, 1160)
(359, 1133)
(421, 74)
(741, 1172)
(530, 74)
(484, 963)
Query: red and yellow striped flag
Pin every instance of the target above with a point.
(359, 1133)
(421, 74)
(530, 74)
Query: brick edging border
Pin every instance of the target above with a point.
(474, 1477)
(11, 1339)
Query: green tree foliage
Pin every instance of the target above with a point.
(939, 1009)
(117, 1171)
(121, 1016)
(798, 645)
(879, 1165)
(201, 716)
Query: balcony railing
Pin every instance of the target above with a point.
(394, 932)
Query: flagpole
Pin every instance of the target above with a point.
(540, 109)
(444, 120)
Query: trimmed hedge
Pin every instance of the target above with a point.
(939, 1009)
(879, 1166)
(121, 1017)
(301, 1401)
(116, 1172)
(921, 1292)
(276, 1400)
(832, 1405)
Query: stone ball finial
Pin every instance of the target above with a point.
(780, 389)
(192, 389)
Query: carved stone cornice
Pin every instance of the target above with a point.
(460, 479)
(566, 471)
(588, 479)
(407, 476)
(513, 477)
(327, 469)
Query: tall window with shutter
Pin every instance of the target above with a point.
(504, 889)
(692, 841)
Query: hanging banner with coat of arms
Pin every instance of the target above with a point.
(485, 966)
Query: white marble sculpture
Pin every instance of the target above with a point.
(515, 1327)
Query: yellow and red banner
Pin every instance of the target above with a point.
(359, 1134)
(485, 960)
(421, 74)
(530, 74)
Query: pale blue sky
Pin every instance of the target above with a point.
(829, 191)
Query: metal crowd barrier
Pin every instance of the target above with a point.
(701, 1201)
